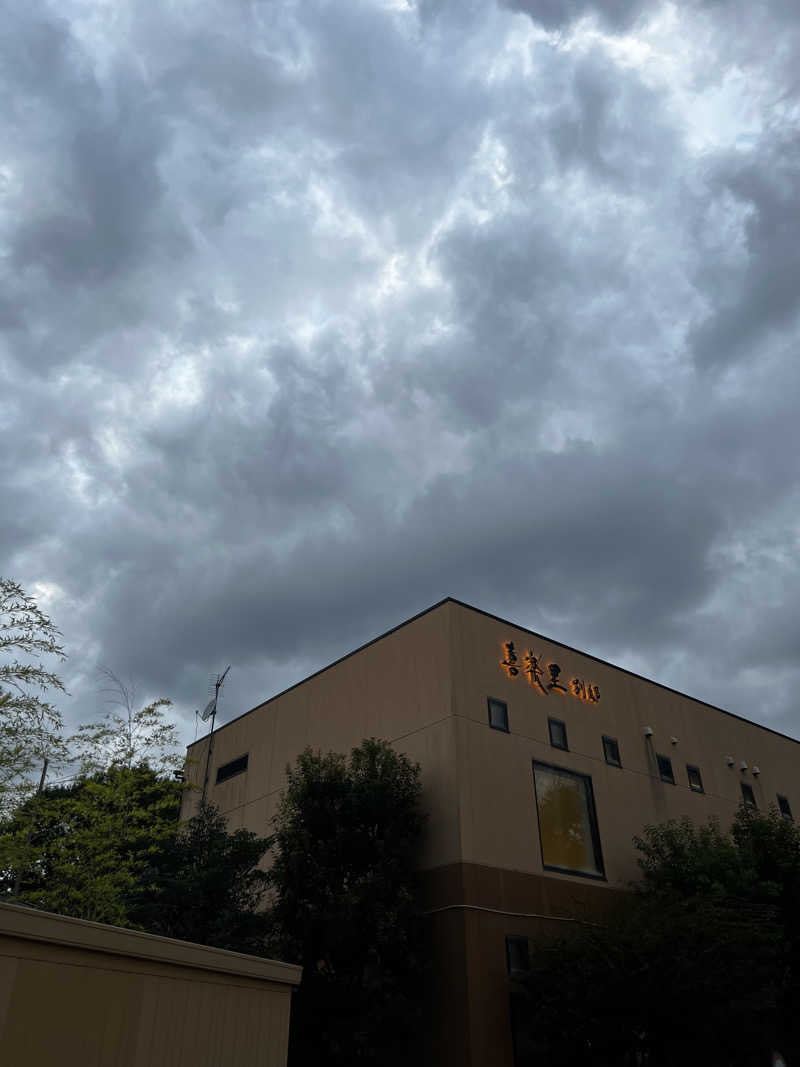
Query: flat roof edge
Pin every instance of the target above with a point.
(623, 670)
(505, 622)
(328, 666)
(31, 924)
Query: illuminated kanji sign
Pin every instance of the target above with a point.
(546, 677)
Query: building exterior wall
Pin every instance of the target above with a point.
(497, 804)
(425, 688)
(82, 994)
(397, 688)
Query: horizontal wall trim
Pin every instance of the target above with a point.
(512, 914)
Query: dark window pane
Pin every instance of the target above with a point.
(498, 714)
(611, 751)
(558, 733)
(695, 781)
(228, 770)
(748, 796)
(783, 804)
(665, 769)
(517, 958)
(567, 822)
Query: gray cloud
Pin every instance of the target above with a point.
(313, 316)
(556, 14)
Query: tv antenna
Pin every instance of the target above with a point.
(210, 710)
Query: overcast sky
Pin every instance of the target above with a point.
(313, 313)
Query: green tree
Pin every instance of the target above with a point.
(657, 983)
(206, 886)
(30, 726)
(696, 964)
(81, 849)
(345, 904)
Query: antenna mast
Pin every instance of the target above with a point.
(211, 709)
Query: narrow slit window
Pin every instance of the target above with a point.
(665, 769)
(695, 779)
(783, 806)
(517, 956)
(748, 796)
(229, 770)
(558, 734)
(611, 751)
(498, 714)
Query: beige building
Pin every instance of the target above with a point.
(539, 763)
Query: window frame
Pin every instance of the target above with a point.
(513, 971)
(551, 721)
(232, 774)
(613, 741)
(671, 779)
(747, 803)
(788, 813)
(593, 823)
(502, 704)
(692, 767)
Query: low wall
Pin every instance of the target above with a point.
(81, 994)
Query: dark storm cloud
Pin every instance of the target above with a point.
(312, 315)
(763, 295)
(555, 14)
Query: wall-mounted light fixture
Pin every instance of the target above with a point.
(648, 731)
(756, 771)
(674, 740)
(743, 766)
(730, 760)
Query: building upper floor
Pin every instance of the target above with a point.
(534, 756)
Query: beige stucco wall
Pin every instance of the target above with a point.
(81, 994)
(498, 821)
(397, 689)
(424, 687)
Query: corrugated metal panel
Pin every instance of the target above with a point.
(81, 1006)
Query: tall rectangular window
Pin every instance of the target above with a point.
(517, 956)
(228, 770)
(611, 751)
(558, 733)
(567, 821)
(695, 781)
(498, 714)
(783, 806)
(748, 796)
(665, 769)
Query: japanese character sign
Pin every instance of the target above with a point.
(537, 673)
(510, 660)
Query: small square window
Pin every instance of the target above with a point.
(611, 751)
(558, 733)
(665, 769)
(695, 780)
(783, 805)
(498, 714)
(517, 956)
(748, 796)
